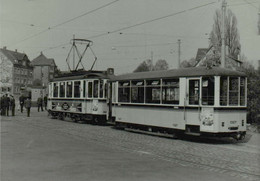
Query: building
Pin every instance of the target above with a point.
(16, 72)
(44, 69)
(211, 56)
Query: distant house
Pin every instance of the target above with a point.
(44, 69)
(15, 72)
(203, 55)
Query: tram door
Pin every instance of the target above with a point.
(194, 92)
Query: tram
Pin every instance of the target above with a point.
(195, 101)
(80, 95)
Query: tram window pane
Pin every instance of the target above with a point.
(223, 91)
(124, 92)
(153, 95)
(69, 89)
(90, 89)
(106, 89)
(194, 92)
(242, 91)
(84, 88)
(77, 89)
(137, 91)
(62, 89)
(101, 89)
(170, 92)
(208, 89)
(233, 91)
(95, 88)
(55, 91)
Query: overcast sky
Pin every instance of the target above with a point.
(32, 26)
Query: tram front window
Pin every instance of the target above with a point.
(208, 90)
(62, 89)
(77, 89)
(69, 89)
(56, 89)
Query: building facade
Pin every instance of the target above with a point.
(44, 70)
(16, 72)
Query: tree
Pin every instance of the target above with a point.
(232, 40)
(145, 66)
(161, 65)
(188, 63)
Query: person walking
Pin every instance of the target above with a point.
(21, 100)
(45, 100)
(27, 105)
(39, 103)
(12, 105)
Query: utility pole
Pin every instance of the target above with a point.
(73, 52)
(223, 44)
(179, 54)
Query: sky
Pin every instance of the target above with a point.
(124, 32)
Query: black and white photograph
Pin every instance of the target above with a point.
(130, 90)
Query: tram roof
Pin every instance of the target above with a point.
(83, 75)
(183, 72)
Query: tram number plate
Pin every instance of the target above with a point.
(233, 122)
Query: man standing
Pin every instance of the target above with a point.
(28, 105)
(6, 105)
(12, 105)
(21, 100)
(39, 103)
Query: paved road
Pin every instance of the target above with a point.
(41, 148)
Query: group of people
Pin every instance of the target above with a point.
(8, 103)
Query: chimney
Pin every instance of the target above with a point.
(4, 47)
(15, 50)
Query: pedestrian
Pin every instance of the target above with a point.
(12, 105)
(45, 100)
(6, 103)
(2, 105)
(27, 105)
(39, 103)
(21, 100)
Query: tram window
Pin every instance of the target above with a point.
(208, 89)
(137, 92)
(101, 89)
(194, 92)
(153, 91)
(90, 89)
(242, 91)
(84, 88)
(223, 91)
(69, 89)
(95, 88)
(55, 91)
(170, 92)
(62, 89)
(233, 91)
(77, 89)
(106, 89)
(124, 92)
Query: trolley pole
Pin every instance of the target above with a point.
(223, 44)
(179, 54)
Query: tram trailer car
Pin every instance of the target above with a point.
(196, 101)
(80, 95)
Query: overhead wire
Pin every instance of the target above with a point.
(145, 22)
(67, 21)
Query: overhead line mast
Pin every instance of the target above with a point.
(223, 43)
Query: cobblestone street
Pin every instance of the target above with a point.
(41, 148)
